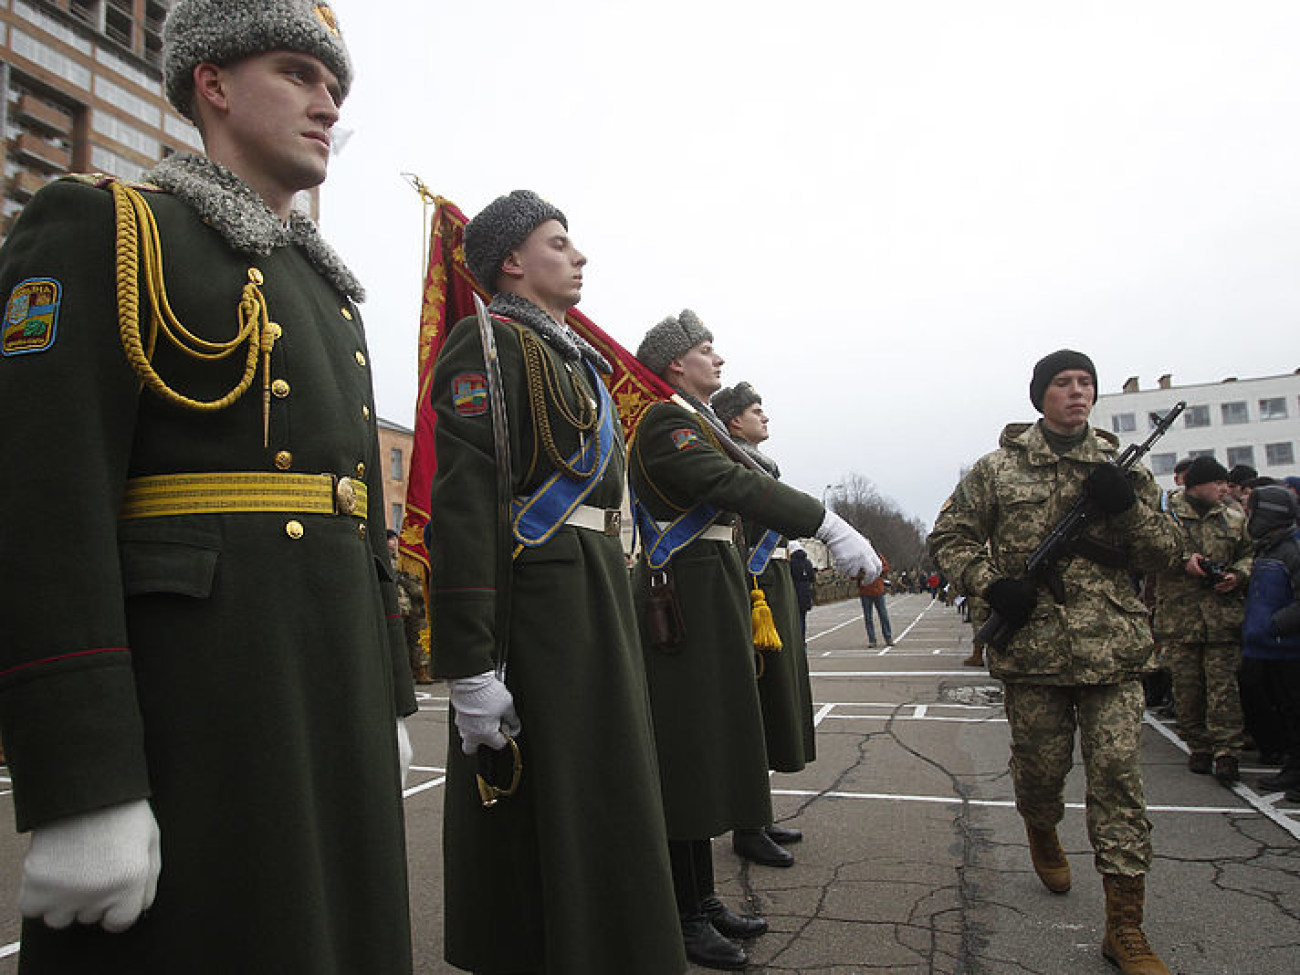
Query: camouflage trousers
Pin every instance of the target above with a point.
(1043, 719)
(1207, 696)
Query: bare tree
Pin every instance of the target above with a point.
(900, 538)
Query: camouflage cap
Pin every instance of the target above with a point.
(671, 338)
(729, 403)
(500, 227)
(223, 31)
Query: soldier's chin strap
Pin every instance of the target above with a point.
(138, 249)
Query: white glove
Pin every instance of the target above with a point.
(404, 750)
(95, 868)
(484, 709)
(852, 553)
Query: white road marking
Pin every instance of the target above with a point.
(991, 803)
(8, 950)
(821, 715)
(1256, 801)
(415, 790)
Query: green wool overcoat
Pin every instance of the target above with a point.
(784, 688)
(571, 874)
(708, 721)
(244, 678)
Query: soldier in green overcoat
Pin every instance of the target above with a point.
(784, 687)
(568, 876)
(202, 679)
(696, 631)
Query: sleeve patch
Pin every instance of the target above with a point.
(31, 317)
(469, 394)
(685, 438)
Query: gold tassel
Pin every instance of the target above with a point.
(765, 635)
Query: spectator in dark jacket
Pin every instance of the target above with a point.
(1270, 643)
(804, 576)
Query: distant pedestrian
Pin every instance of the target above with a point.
(872, 595)
(804, 577)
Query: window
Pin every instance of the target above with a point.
(1123, 423)
(395, 513)
(1236, 412)
(1278, 454)
(1163, 463)
(1273, 409)
(1193, 454)
(1241, 455)
(395, 463)
(1196, 416)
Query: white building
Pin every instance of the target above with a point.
(1236, 421)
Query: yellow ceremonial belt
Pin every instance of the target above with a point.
(160, 495)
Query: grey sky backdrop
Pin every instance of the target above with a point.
(886, 211)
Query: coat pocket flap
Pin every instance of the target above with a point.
(171, 563)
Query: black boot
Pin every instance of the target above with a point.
(704, 946)
(756, 845)
(783, 834)
(730, 924)
(1288, 778)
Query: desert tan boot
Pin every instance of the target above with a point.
(1125, 946)
(1050, 864)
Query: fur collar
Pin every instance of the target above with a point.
(232, 208)
(561, 338)
(760, 458)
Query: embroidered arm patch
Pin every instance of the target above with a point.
(469, 394)
(31, 317)
(685, 438)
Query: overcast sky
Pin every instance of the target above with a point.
(885, 211)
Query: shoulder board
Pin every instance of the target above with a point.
(1107, 440)
(103, 181)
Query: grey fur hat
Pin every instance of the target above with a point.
(499, 228)
(671, 338)
(223, 31)
(729, 403)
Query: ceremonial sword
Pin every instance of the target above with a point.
(504, 544)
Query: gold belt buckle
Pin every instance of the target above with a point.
(345, 496)
(613, 521)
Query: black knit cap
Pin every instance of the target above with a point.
(1271, 508)
(729, 403)
(1050, 366)
(1204, 470)
(500, 227)
(1182, 465)
(1241, 474)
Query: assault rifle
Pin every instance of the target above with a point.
(1068, 537)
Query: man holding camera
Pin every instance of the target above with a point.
(1198, 615)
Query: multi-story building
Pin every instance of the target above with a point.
(1236, 421)
(81, 87)
(395, 454)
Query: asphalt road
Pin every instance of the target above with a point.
(915, 859)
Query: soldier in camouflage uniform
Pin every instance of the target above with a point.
(1198, 619)
(1075, 663)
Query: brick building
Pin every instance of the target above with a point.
(395, 456)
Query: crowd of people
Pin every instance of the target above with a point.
(209, 750)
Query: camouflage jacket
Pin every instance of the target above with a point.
(1187, 610)
(999, 513)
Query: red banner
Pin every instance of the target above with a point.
(449, 290)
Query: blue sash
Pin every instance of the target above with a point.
(661, 546)
(762, 553)
(537, 517)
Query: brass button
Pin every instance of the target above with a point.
(280, 388)
(345, 313)
(361, 532)
(361, 470)
(294, 530)
(365, 412)
(284, 460)
(255, 276)
(361, 358)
